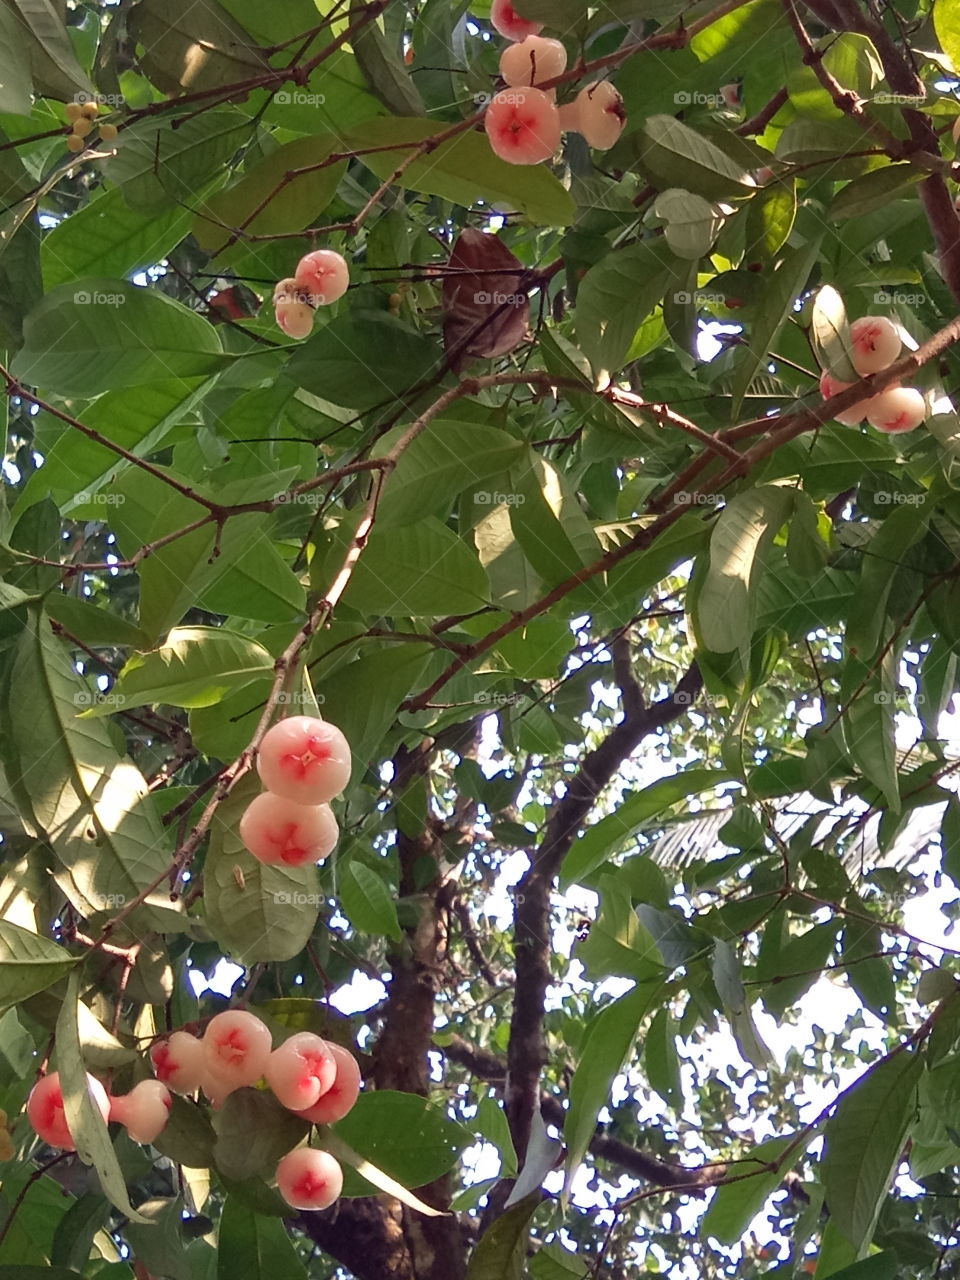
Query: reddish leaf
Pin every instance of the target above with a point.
(486, 310)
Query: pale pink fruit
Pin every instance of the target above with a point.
(342, 1094)
(304, 759)
(730, 93)
(144, 1111)
(568, 114)
(294, 318)
(533, 61)
(875, 344)
(601, 114)
(236, 1048)
(309, 1179)
(896, 410)
(45, 1109)
(301, 1070)
(523, 125)
(509, 23)
(287, 290)
(282, 833)
(323, 276)
(830, 387)
(178, 1062)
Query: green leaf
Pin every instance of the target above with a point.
(28, 964)
(249, 568)
(863, 1142)
(421, 570)
(84, 1119)
(828, 330)
(266, 201)
(447, 458)
(405, 1136)
(501, 1251)
(77, 791)
(867, 970)
(868, 721)
(254, 1246)
(946, 23)
(727, 604)
(462, 170)
(174, 32)
(874, 191)
(108, 238)
(612, 832)
(16, 82)
(254, 911)
(616, 296)
(674, 155)
(75, 468)
(950, 840)
(253, 1132)
(770, 219)
(692, 222)
(367, 902)
(549, 523)
(726, 975)
(882, 1266)
(163, 164)
(607, 1042)
(57, 73)
(84, 336)
(776, 305)
(386, 75)
(337, 364)
(618, 944)
(194, 667)
(735, 1205)
(887, 549)
(661, 1061)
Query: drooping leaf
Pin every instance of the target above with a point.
(97, 332)
(84, 1119)
(194, 667)
(28, 964)
(606, 1045)
(77, 791)
(727, 604)
(863, 1142)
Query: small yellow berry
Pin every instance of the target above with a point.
(7, 1149)
(82, 127)
(75, 144)
(74, 111)
(91, 110)
(108, 132)
(395, 302)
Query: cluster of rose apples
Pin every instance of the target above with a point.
(317, 1080)
(523, 121)
(81, 117)
(303, 763)
(874, 343)
(320, 279)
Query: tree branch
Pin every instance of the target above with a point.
(532, 942)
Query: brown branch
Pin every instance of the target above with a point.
(488, 1067)
(527, 1053)
(934, 193)
(776, 431)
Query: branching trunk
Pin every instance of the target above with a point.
(381, 1239)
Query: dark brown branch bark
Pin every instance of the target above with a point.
(487, 1066)
(527, 1055)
